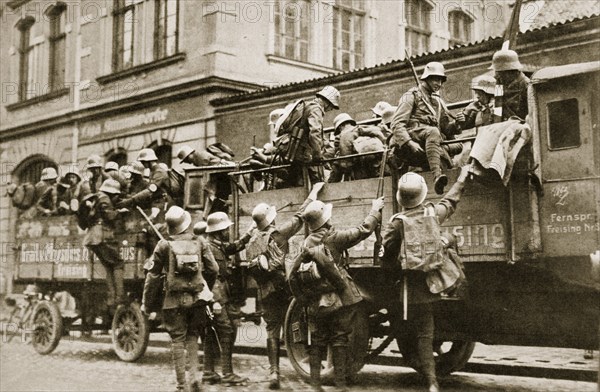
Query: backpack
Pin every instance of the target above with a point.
(23, 195)
(176, 182)
(292, 114)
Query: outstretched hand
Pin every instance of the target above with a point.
(378, 204)
(316, 189)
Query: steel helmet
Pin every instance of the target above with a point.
(49, 173)
(380, 108)
(274, 116)
(485, 83)
(136, 168)
(184, 152)
(263, 215)
(124, 172)
(341, 119)
(32, 289)
(412, 190)
(217, 221)
(111, 186)
(331, 94)
(316, 214)
(178, 220)
(94, 161)
(111, 166)
(70, 169)
(62, 181)
(506, 60)
(147, 155)
(200, 228)
(388, 114)
(434, 69)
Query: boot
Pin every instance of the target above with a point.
(440, 183)
(178, 355)
(425, 351)
(273, 353)
(339, 367)
(229, 377)
(314, 360)
(191, 344)
(210, 354)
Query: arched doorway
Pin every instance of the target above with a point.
(118, 155)
(163, 150)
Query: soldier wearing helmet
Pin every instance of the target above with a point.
(421, 122)
(417, 227)
(325, 246)
(356, 139)
(101, 219)
(47, 180)
(94, 177)
(165, 186)
(480, 112)
(187, 154)
(228, 299)
(190, 272)
(507, 69)
(267, 251)
(56, 200)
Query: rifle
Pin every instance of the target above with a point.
(211, 317)
(380, 184)
(160, 236)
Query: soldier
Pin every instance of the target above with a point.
(56, 200)
(95, 177)
(200, 158)
(137, 183)
(356, 139)
(190, 270)
(99, 238)
(273, 117)
(480, 112)
(113, 171)
(415, 228)
(267, 251)
(47, 179)
(227, 306)
(380, 108)
(507, 68)
(326, 246)
(420, 122)
(162, 190)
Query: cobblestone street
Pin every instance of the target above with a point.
(84, 366)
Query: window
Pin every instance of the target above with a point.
(166, 28)
(57, 53)
(348, 34)
(30, 170)
(123, 32)
(117, 155)
(25, 50)
(460, 25)
(418, 28)
(163, 150)
(563, 124)
(292, 34)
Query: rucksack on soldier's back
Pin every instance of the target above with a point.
(292, 114)
(22, 196)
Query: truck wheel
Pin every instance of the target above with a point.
(296, 340)
(130, 332)
(47, 326)
(449, 356)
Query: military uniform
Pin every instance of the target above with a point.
(401, 256)
(91, 185)
(477, 115)
(359, 168)
(334, 327)
(515, 98)
(184, 315)
(227, 294)
(100, 239)
(161, 189)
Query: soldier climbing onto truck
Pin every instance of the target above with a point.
(267, 250)
(421, 122)
(416, 228)
(332, 303)
(190, 275)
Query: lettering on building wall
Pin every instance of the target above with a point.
(91, 130)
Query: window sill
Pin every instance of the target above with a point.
(141, 68)
(296, 63)
(38, 99)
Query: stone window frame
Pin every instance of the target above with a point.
(418, 25)
(357, 17)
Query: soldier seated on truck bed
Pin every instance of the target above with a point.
(57, 200)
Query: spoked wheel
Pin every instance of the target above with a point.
(450, 356)
(296, 340)
(130, 332)
(47, 328)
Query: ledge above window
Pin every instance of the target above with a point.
(138, 69)
(38, 99)
(296, 63)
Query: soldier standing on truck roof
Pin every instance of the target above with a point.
(326, 246)
(267, 251)
(227, 306)
(507, 68)
(163, 189)
(417, 227)
(100, 239)
(190, 272)
(421, 123)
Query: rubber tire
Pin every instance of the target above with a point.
(298, 355)
(137, 332)
(52, 334)
(451, 361)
